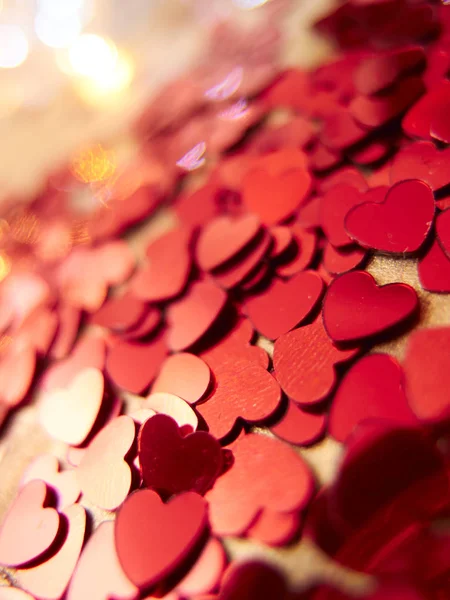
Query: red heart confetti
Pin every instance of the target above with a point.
(355, 307)
(173, 406)
(443, 231)
(276, 303)
(275, 528)
(103, 475)
(184, 375)
(426, 374)
(305, 376)
(49, 580)
(172, 463)
(417, 121)
(69, 414)
(373, 388)
(434, 269)
(28, 519)
(193, 315)
(300, 427)
(98, 573)
(334, 207)
(425, 162)
(381, 225)
(233, 505)
(143, 520)
(250, 393)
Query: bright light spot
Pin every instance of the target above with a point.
(193, 159)
(13, 46)
(5, 265)
(227, 87)
(93, 56)
(107, 87)
(60, 8)
(57, 33)
(249, 4)
(239, 110)
(94, 164)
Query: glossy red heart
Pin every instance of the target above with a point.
(304, 361)
(171, 463)
(399, 224)
(167, 269)
(133, 366)
(281, 482)
(120, 313)
(425, 162)
(275, 312)
(434, 269)
(340, 260)
(28, 529)
(274, 528)
(355, 307)
(192, 316)
(143, 522)
(372, 388)
(222, 238)
(418, 120)
(426, 372)
(274, 198)
(246, 389)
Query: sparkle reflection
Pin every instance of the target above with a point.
(227, 87)
(194, 159)
(239, 110)
(249, 4)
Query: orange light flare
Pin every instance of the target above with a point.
(94, 165)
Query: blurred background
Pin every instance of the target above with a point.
(76, 72)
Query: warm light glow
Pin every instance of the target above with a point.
(60, 8)
(13, 46)
(92, 56)
(107, 86)
(57, 33)
(94, 165)
(24, 227)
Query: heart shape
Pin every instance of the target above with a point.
(103, 475)
(69, 415)
(300, 427)
(400, 224)
(425, 161)
(193, 315)
(417, 121)
(98, 574)
(120, 313)
(184, 375)
(51, 579)
(372, 388)
(304, 361)
(28, 520)
(171, 464)
(173, 406)
(273, 198)
(167, 269)
(271, 465)
(65, 484)
(334, 206)
(133, 366)
(247, 390)
(427, 374)
(355, 307)
(223, 237)
(143, 521)
(274, 312)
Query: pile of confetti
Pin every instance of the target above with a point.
(180, 386)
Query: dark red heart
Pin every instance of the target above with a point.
(443, 231)
(425, 162)
(434, 269)
(355, 307)
(399, 224)
(153, 539)
(417, 121)
(372, 388)
(171, 464)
